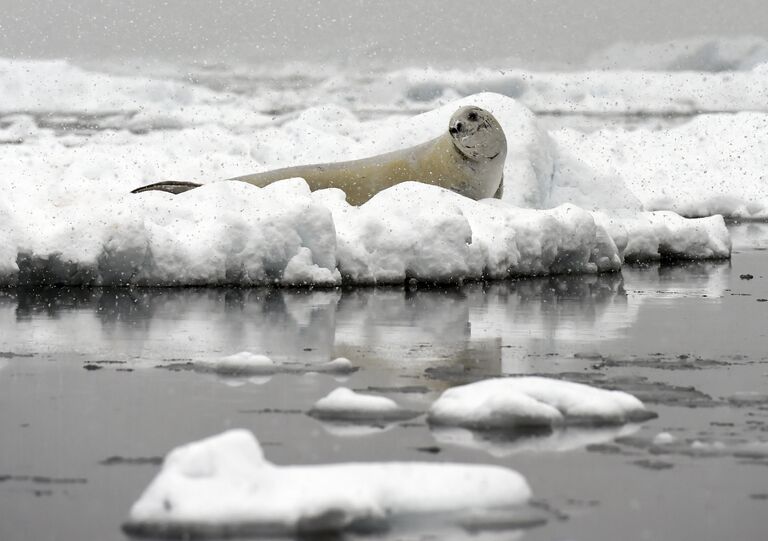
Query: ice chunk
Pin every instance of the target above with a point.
(223, 485)
(533, 402)
(68, 217)
(244, 362)
(343, 404)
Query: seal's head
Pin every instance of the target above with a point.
(477, 134)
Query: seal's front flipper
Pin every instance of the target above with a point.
(500, 192)
(169, 186)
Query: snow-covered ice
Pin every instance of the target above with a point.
(247, 363)
(714, 164)
(244, 362)
(340, 365)
(533, 402)
(573, 202)
(663, 438)
(344, 404)
(223, 485)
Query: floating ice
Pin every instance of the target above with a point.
(223, 486)
(533, 402)
(340, 365)
(67, 216)
(344, 404)
(663, 438)
(244, 362)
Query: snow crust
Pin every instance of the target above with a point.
(533, 402)
(570, 203)
(223, 485)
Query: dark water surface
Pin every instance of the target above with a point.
(86, 414)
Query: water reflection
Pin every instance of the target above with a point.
(479, 326)
(558, 440)
(749, 236)
(686, 279)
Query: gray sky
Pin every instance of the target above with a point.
(354, 31)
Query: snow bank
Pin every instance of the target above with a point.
(68, 217)
(714, 164)
(344, 404)
(223, 486)
(533, 402)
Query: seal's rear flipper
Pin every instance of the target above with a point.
(169, 186)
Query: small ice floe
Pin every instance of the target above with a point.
(360, 429)
(663, 438)
(241, 363)
(345, 405)
(339, 365)
(223, 486)
(246, 363)
(734, 446)
(530, 402)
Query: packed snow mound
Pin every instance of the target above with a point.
(714, 164)
(223, 486)
(531, 402)
(709, 54)
(68, 217)
(344, 404)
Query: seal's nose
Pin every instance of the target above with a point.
(452, 130)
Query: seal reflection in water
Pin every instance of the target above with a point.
(468, 159)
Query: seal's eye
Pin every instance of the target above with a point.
(472, 116)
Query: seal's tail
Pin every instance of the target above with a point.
(169, 186)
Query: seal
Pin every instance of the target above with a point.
(468, 159)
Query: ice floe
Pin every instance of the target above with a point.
(68, 217)
(245, 364)
(530, 402)
(224, 485)
(344, 404)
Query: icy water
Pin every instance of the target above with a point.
(90, 402)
